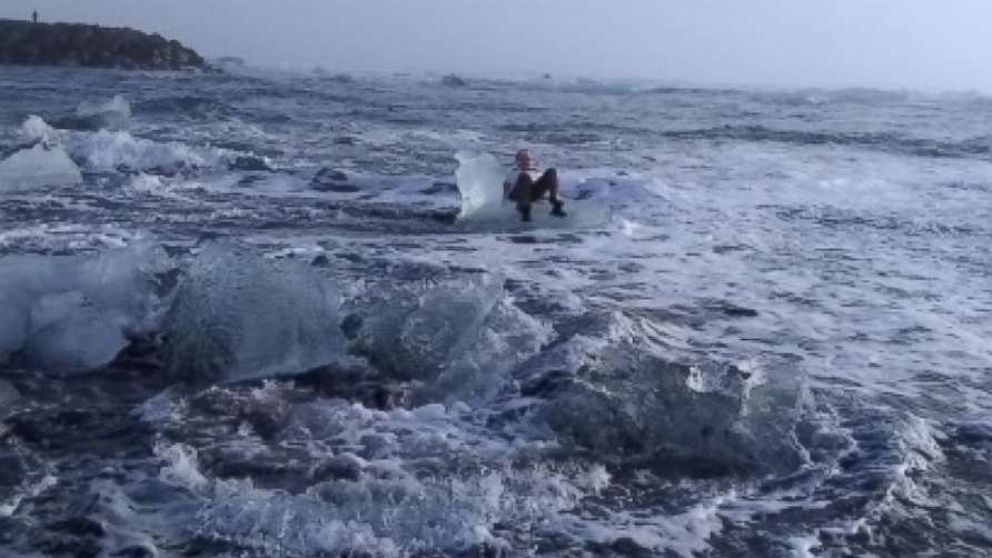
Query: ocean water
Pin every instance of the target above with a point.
(260, 314)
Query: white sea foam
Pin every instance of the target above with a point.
(802, 547)
(181, 466)
(685, 534)
(397, 506)
(434, 479)
(109, 151)
(9, 507)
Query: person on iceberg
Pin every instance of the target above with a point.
(526, 184)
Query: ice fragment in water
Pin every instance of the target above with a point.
(239, 316)
(480, 182)
(455, 340)
(38, 167)
(76, 312)
(83, 341)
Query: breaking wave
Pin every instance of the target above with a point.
(107, 151)
(114, 114)
(979, 147)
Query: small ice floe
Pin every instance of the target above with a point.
(43, 164)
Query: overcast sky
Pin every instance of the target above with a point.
(922, 44)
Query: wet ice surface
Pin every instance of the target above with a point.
(253, 324)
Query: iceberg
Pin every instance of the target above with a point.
(38, 167)
(73, 313)
(238, 316)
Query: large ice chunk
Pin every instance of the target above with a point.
(480, 182)
(77, 312)
(85, 339)
(238, 316)
(42, 163)
(484, 207)
(455, 341)
(615, 391)
(40, 166)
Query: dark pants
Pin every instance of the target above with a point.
(527, 190)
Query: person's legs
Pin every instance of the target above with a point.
(523, 194)
(547, 184)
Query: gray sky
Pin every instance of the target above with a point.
(923, 44)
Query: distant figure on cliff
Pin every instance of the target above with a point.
(34, 16)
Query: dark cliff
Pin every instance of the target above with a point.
(70, 44)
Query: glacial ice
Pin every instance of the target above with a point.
(77, 312)
(238, 316)
(41, 165)
(85, 339)
(618, 393)
(38, 167)
(456, 340)
(480, 177)
(480, 181)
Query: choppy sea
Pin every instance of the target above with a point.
(251, 315)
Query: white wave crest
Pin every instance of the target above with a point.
(35, 129)
(113, 114)
(107, 151)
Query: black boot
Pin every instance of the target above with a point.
(524, 213)
(557, 210)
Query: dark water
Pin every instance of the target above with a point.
(240, 317)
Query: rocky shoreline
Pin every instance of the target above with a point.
(78, 45)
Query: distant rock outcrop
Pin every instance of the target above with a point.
(453, 80)
(78, 45)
